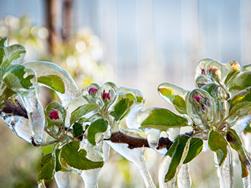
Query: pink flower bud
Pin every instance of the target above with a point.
(197, 98)
(92, 91)
(203, 71)
(106, 95)
(54, 115)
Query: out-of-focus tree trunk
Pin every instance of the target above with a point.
(51, 16)
(67, 19)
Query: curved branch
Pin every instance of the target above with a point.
(116, 137)
(134, 142)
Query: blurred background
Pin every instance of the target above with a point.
(134, 43)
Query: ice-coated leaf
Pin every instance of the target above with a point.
(242, 96)
(211, 69)
(201, 107)
(195, 147)
(218, 144)
(174, 95)
(52, 81)
(12, 53)
(160, 118)
(83, 110)
(121, 108)
(241, 81)
(15, 78)
(76, 157)
(240, 109)
(178, 155)
(47, 168)
(43, 68)
(235, 142)
(98, 126)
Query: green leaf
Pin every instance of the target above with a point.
(235, 142)
(47, 169)
(163, 119)
(12, 53)
(195, 147)
(121, 108)
(53, 81)
(174, 95)
(241, 81)
(218, 144)
(240, 109)
(82, 110)
(178, 155)
(15, 78)
(230, 76)
(247, 129)
(76, 157)
(77, 129)
(242, 96)
(98, 126)
(3, 41)
(58, 166)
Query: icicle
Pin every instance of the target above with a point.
(153, 137)
(162, 173)
(62, 179)
(247, 142)
(90, 177)
(225, 171)
(136, 157)
(35, 114)
(184, 179)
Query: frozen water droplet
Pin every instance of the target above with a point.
(136, 157)
(62, 179)
(162, 173)
(43, 68)
(225, 171)
(153, 137)
(90, 177)
(35, 114)
(184, 179)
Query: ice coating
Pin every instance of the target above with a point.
(62, 179)
(35, 114)
(153, 136)
(43, 68)
(247, 142)
(136, 156)
(184, 179)
(136, 116)
(163, 168)
(90, 177)
(225, 171)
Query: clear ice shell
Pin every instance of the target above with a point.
(225, 171)
(35, 112)
(62, 179)
(163, 168)
(43, 68)
(136, 116)
(153, 136)
(184, 179)
(247, 142)
(90, 177)
(175, 90)
(136, 156)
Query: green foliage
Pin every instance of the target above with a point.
(47, 169)
(121, 108)
(52, 81)
(98, 126)
(178, 155)
(82, 111)
(235, 142)
(218, 144)
(76, 157)
(195, 147)
(160, 118)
